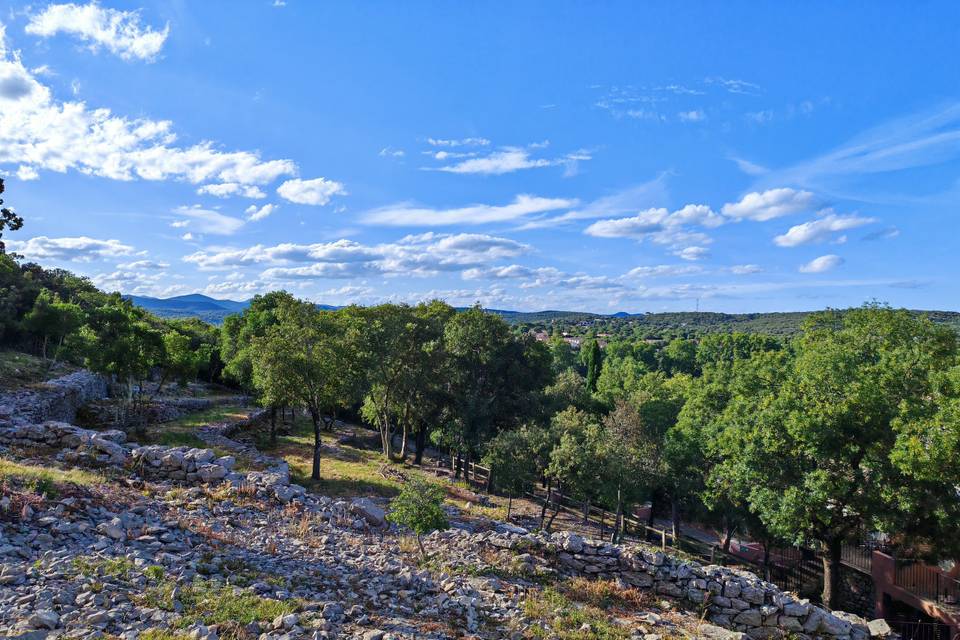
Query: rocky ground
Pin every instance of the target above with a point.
(137, 542)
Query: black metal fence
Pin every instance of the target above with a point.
(921, 630)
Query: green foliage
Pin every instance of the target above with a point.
(592, 359)
(419, 507)
(51, 319)
(8, 220)
(511, 457)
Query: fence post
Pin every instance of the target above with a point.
(663, 540)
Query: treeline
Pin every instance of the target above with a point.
(62, 317)
(849, 428)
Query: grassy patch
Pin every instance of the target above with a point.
(46, 480)
(19, 370)
(162, 634)
(349, 472)
(91, 566)
(560, 617)
(211, 602)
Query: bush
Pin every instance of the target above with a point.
(418, 508)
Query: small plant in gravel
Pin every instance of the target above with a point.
(419, 507)
(209, 602)
(92, 566)
(554, 615)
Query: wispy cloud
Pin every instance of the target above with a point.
(120, 32)
(405, 215)
(919, 140)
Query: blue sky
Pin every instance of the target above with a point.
(604, 157)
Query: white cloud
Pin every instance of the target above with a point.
(663, 270)
(120, 32)
(41, 133)
(254, 214)
(510, 159)
(229, 189)
(749, 168)
(660, 225)
(74, 249)
(918, 140)
(822, 264)
(642, 196)
(317, 191)
(462, 142)
(770, 204)
(26, 173)
(745, 269)
(820, 230)
(692, 253)
(143, 264)
(390, 152)
(696, 115)
(207, 221)
(414, 255)
(735, 86)
(408, 215)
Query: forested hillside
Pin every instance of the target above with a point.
(847, 428)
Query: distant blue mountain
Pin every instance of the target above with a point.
(196, 305)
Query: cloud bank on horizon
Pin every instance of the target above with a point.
(155, 151)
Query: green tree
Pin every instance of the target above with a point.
(8, 220)
(562, 354)
(419, 507)
(592, 359)
(181, 360)
(122, 344)
(511, 457)
(679, 356)
(305, 359)
(823, 443)
(497, 380)
(51, 319)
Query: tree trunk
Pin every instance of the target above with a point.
(315, 417)
(556, 510)
(653, 507)
(730, 528)
(44, 350)
(543, 507)
(617, 517)
(831, 572)
(403, 444)
(273, 425)
(421, 441)
(766, 561)
(458, 466)
(675, 520)
(509, 506)
(586, 510)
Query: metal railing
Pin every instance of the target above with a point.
(921, 630)
(927, 582)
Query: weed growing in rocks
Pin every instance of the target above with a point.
(209, 602)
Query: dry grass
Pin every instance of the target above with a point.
(47, 475)
(606, 594)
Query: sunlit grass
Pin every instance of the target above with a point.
(47, 475)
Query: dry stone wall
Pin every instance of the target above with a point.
(732, 598)
(58, 399)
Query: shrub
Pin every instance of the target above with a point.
(418, 508)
